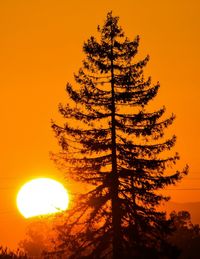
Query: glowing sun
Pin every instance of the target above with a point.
(42, 196)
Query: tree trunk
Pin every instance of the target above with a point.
(116, 218)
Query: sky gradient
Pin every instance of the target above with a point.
(41, 47)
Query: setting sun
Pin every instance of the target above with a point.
(42, 196)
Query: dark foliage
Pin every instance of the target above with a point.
(6, 253)
(112, 143)
(186, 236)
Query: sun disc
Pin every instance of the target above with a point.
(42, 196)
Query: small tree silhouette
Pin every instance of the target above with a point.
(6, 253)
(111, 142)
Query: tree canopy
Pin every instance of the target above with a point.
(114, 143)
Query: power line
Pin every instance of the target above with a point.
(183, 189)
(180, 189)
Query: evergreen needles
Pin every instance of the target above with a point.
(112, 143)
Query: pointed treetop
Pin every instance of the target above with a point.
(111, 29)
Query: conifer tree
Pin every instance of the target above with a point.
(113, 144)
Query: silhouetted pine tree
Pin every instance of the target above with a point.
(112, 143)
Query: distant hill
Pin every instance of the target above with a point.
(192, 207)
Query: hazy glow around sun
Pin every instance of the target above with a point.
(42, 196)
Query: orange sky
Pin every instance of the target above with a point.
(40, 49)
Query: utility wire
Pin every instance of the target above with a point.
(182, 189)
